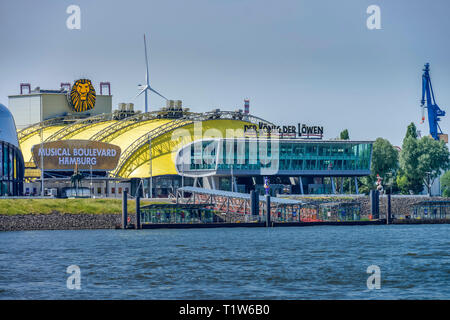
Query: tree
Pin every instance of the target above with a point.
(384, 162)
(411, 131)
(434, 158)
(344, 135)
(384, 158)
(409, 183)
(445, 184)
(408, 180)
(421, 162)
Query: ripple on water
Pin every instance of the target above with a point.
(328, 262)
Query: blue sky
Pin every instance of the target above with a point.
(313, 62)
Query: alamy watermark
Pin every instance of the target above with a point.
(74, 280)
(374, 20)
(73, 22)
(374, 280)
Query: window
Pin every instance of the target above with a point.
(113, 190)
(99, 190)
(120, 190)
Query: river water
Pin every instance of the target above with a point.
(323, 262)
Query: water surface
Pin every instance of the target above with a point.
(326, 262)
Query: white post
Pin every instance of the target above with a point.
(91, 191)
(42, 150)
(232, 179)
(301, 184)
(151, 173)
(182, 178)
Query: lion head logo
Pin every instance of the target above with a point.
(82, 95)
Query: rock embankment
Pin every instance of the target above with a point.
(57, 221)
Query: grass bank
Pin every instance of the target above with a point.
(73, 206)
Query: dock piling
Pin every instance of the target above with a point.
(138, 212)
(124, 210)
(267, 210)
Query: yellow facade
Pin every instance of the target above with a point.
(167, 137)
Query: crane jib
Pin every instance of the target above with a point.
(434, 112)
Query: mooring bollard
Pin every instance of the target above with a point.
(254, 203)
(138, 212)
(375, 203)
(267, 211)
(124, 210)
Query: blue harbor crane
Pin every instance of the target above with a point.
(434, 112)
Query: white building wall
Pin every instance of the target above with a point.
(26, 108)
(25, 111)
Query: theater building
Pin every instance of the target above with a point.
(161, 150)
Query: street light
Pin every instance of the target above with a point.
(42, 149)
(91, 190)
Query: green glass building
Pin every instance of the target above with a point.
(305, 166)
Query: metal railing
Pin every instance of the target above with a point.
(27, 132)
(69, 131)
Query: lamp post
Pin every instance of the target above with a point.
(42, 151)
(91, 190)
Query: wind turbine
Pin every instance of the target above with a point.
(146, 87)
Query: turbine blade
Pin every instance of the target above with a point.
(142, 91)
(151, 89)
(146, 62)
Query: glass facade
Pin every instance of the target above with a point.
(11, 170)
(434, 210)
(337, 211)
(287, 156)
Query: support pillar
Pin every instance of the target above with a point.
(356, 185)
(350, 185)
(268, 222)
(374, 197)
(388, 217)
(333, 189)
(138, 212)
(254, 203)
(124, 210)
(301, 185)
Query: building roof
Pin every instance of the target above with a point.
(8, 131)
(246, 196)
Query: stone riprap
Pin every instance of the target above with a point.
(56, 221)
